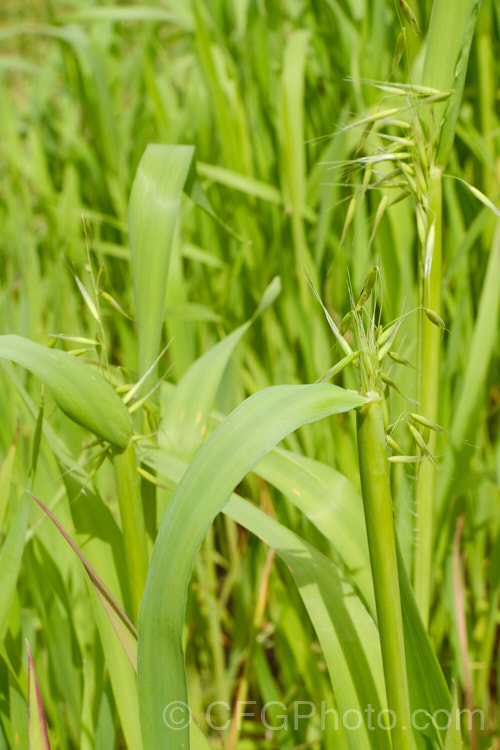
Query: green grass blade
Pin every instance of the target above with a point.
(292, 93)
(335, 507)
(246, 435)
(331, 503)
(81, 393)
(453, 739)
(11, 553)
(39, 739)
(184, 419)
(153, 212)
(345, 629)
(480, 354)
(446, 62)
(6, 472)
(121, 673)
(125, 631)
(124, 14)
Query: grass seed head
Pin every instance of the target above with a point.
(399, 49)
(400, 361)
(368, 284)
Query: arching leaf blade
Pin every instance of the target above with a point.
(239, 442)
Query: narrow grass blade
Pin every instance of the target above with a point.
(127, 483)
(481, 351)
(184, 421)
(335, 507)
(124, 629)
(446, 60)
(292, 93)
(153, 212)
(247, 434)
(6, 478)
(81, 393)
(121, 673)
(39, 738)
(331, 503)
(124, 14)
(11, 553)
(345, 629)
(344, 626)
(453, 739)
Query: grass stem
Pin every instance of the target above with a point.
(132, 517)
(375, 485)
(430, 341)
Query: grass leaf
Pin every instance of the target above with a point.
(248, 433)
(153, 213)
(81, 393)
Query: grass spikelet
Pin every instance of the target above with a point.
(387, 380)
(425, 422)
(368, 284)
(410, 16)
(435, 318)
(400, 360)
(420, 442)
(399, 49)
(348, 219)
(393, 445)
(406, 459)
(378, 217)
(339, 367)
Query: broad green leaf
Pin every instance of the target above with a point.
(153, 211)
(334, 505)
(197, 740)
(239, 442)
(39, 739)
(426, 682)
(79, 391)
(92, 518)
(345, 628)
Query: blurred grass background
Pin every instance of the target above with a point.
(261, 89)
